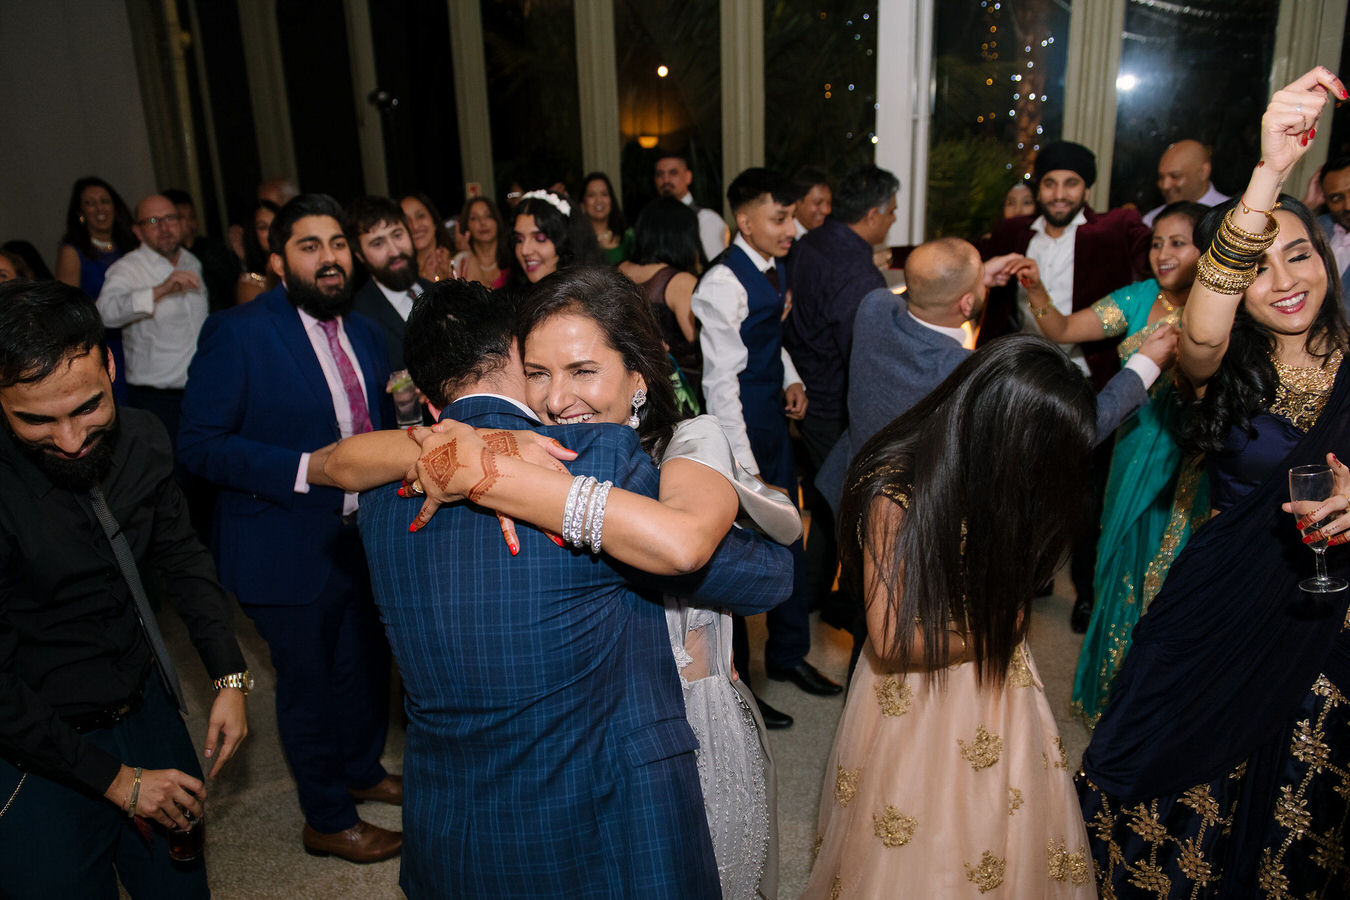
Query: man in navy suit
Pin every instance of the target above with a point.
(548, 752)
(378, 232)
(273, 384)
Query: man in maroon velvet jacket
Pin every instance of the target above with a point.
(1083, 256)
(1091, 254)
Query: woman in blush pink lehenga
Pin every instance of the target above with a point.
(948, 777)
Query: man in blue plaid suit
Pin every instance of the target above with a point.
(548, 752)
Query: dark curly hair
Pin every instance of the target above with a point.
(615, 304)
(571, 234)
(1245, 382)
(77, 232)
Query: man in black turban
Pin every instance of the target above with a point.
(1082, 256)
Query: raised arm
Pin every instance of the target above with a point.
(676, 534)
(1229, 265)
(1084, 325)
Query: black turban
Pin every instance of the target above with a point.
(1066, 155)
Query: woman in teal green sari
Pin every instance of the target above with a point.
(1155, 497)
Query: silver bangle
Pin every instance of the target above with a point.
(597, 523)
(570, 509)
(576, 528)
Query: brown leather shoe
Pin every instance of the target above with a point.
(388, 789)
(362, 843)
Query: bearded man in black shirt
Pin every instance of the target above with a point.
(95, 761)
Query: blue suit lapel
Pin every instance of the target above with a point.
(293, 337)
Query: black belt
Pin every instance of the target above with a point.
(109, 716)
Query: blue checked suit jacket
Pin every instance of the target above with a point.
(548, 753)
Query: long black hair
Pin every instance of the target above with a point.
(571, 233)
(667, 232)
(504, 254)
(1245, 381)
(994, 468)
(255, 254)
(77, 232)
(616, 222)
(615, 305)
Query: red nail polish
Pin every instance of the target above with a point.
(1345, 95)
(557, 540)
(514, 547)
(413, 527)
(1312, 134)
(1308, 539)
(1303, 141)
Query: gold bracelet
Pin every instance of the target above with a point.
(1262, 240)
(1222, 280)
(1042, 312)
(135, 795)
(1242, 201)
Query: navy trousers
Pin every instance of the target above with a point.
(59, 841)
(332, 664)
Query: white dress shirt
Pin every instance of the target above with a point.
(712, 231)
(1211, 198)
(721, 306)
(1055, 258)
(401, 301)
(159, 338)
(341, 407)
(957, 334)
(1340, 245)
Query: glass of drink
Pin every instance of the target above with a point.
(407, 403)
(186, 844)
(1309, 488)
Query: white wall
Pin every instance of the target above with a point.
(72, 107)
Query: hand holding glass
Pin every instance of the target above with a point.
(1309, 488)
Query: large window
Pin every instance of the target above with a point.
(533, 102)
(1197, 70)
(670, 93)
(998, 98)
(820, 83)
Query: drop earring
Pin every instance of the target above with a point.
(638, 400)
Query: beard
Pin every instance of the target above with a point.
(320, 303)
(81, 474)
(396, 279)
(1061, 221)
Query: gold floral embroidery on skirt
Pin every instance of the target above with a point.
(893, 696)
(836, 889)
(983, 751)
(846, 784)
(1014, 800)
(1067, 866)
(988, 874)
(894, 828)
(1060, 760)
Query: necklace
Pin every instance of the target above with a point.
(1302, 391)
(486, 266)
(105, 246)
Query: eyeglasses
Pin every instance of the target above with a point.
(152, 221)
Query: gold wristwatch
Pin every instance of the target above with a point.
(241, 680)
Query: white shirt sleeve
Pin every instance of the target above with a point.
(302, 475)
(790, 376)
(721, 305)
(124, 299)
(1145, 368)
(712, 233)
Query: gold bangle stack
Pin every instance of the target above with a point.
(1229, 265)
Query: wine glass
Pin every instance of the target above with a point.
(1309, 488)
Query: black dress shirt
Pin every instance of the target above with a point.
(70, 641)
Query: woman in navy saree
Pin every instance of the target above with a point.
(1221, 765)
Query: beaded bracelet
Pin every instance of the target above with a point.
(571, 520)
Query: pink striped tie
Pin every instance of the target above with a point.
(356, 398)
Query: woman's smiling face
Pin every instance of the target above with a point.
(1291, 281)
(573, 375)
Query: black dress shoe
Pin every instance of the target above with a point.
(1081, 615)
(805, 676)
(772, 717)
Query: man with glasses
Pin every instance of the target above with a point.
(156, 295)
